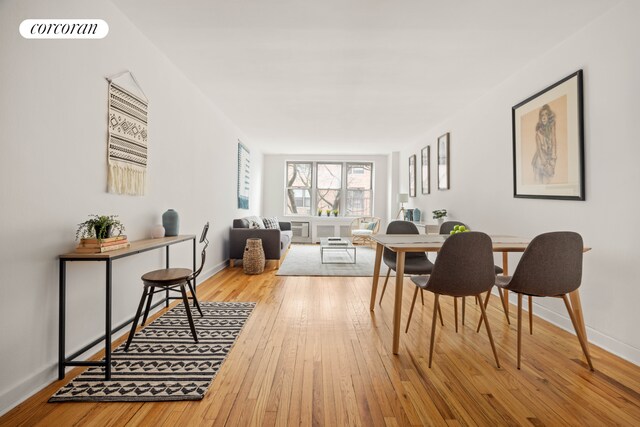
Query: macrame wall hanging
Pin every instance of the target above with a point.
(127, 142)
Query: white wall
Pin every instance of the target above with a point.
(481, 173)
(274, 181)
(53, 112)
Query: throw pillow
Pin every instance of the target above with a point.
(271, 223)
(255, 222)
(371, 226)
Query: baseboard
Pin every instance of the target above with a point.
(612, 345)
(20, 392)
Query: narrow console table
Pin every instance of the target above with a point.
(136, 247)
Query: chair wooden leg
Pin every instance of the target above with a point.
(530, 315)
(486, 322)
(422, 295)
(413, 304)
(583, 340)
(505, 305)
(135, 319)
(185, 301)
(433, 328)
(148, 308)
(440, 314)
(455, 311)
(384, 287)
(486, 303)
(519, 327)
(196, 304)
(463, 309)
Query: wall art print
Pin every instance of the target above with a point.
(127, 143)
(425, 171)
(443, 162)
(412, 176)
(548, 142)
(244, 176)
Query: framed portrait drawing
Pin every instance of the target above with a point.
(548, 142)
(443, 162)
(425, 171)
(412, 176)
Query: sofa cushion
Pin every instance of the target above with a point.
(271, 223)
(240, 223)
(255, 222)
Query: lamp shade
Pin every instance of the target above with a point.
(403, 198)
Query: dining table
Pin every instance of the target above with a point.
(401, 244)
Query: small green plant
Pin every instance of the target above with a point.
(439, 213)
(100, 227)
(335, 212)
(328, 212)
(319, 212)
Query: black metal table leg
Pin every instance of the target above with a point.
(194, 267)
(61, 319)
(166, 293)
(107, 330)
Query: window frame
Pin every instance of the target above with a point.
(287, 188)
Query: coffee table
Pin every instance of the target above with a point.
(332, 245)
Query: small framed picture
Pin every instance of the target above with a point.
(412, 176)
(425, 171)
(548, 142)
(443, 162)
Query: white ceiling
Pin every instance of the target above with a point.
(327, 76)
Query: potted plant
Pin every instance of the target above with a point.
(335, 212)
(319, 212)
(439, 215)
(328, 212)
(100, 227)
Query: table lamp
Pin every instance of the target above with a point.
(402, 199)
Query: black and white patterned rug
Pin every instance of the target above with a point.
(163, 362)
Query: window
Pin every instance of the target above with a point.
(329, 186)
(299, 184)
(359, 189)
(345, 187)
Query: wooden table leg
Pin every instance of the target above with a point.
(505, 272)
(376, 275)
(397, 306)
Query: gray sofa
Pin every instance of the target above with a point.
(274, 242)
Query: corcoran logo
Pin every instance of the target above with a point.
(64, 29)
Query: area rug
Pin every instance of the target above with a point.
(163, 362)
(304, 260)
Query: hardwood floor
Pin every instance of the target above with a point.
(313, 354)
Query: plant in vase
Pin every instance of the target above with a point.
(439, 215)
(328, 212)
(335, 212)
(100, 227)
(319, 212)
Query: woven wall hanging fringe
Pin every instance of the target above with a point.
(127, 144)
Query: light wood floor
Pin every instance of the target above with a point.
(313, 354)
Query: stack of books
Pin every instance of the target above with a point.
(97, 246)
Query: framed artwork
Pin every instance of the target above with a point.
(548, 142)
(412, 176)
(244, 176)
(425, 171)
(443, 162)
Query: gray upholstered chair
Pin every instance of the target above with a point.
(414, 263)
(446, 228)
(551, 266)
(464, 267)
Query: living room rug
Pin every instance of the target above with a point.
(163, 362)
(304, 260)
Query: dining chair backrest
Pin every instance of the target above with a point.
(447, 226)
(402, 227)
(550, 266)
(203, 239)
(464, 265)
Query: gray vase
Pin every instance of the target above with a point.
(171, 223)
(417, 215)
